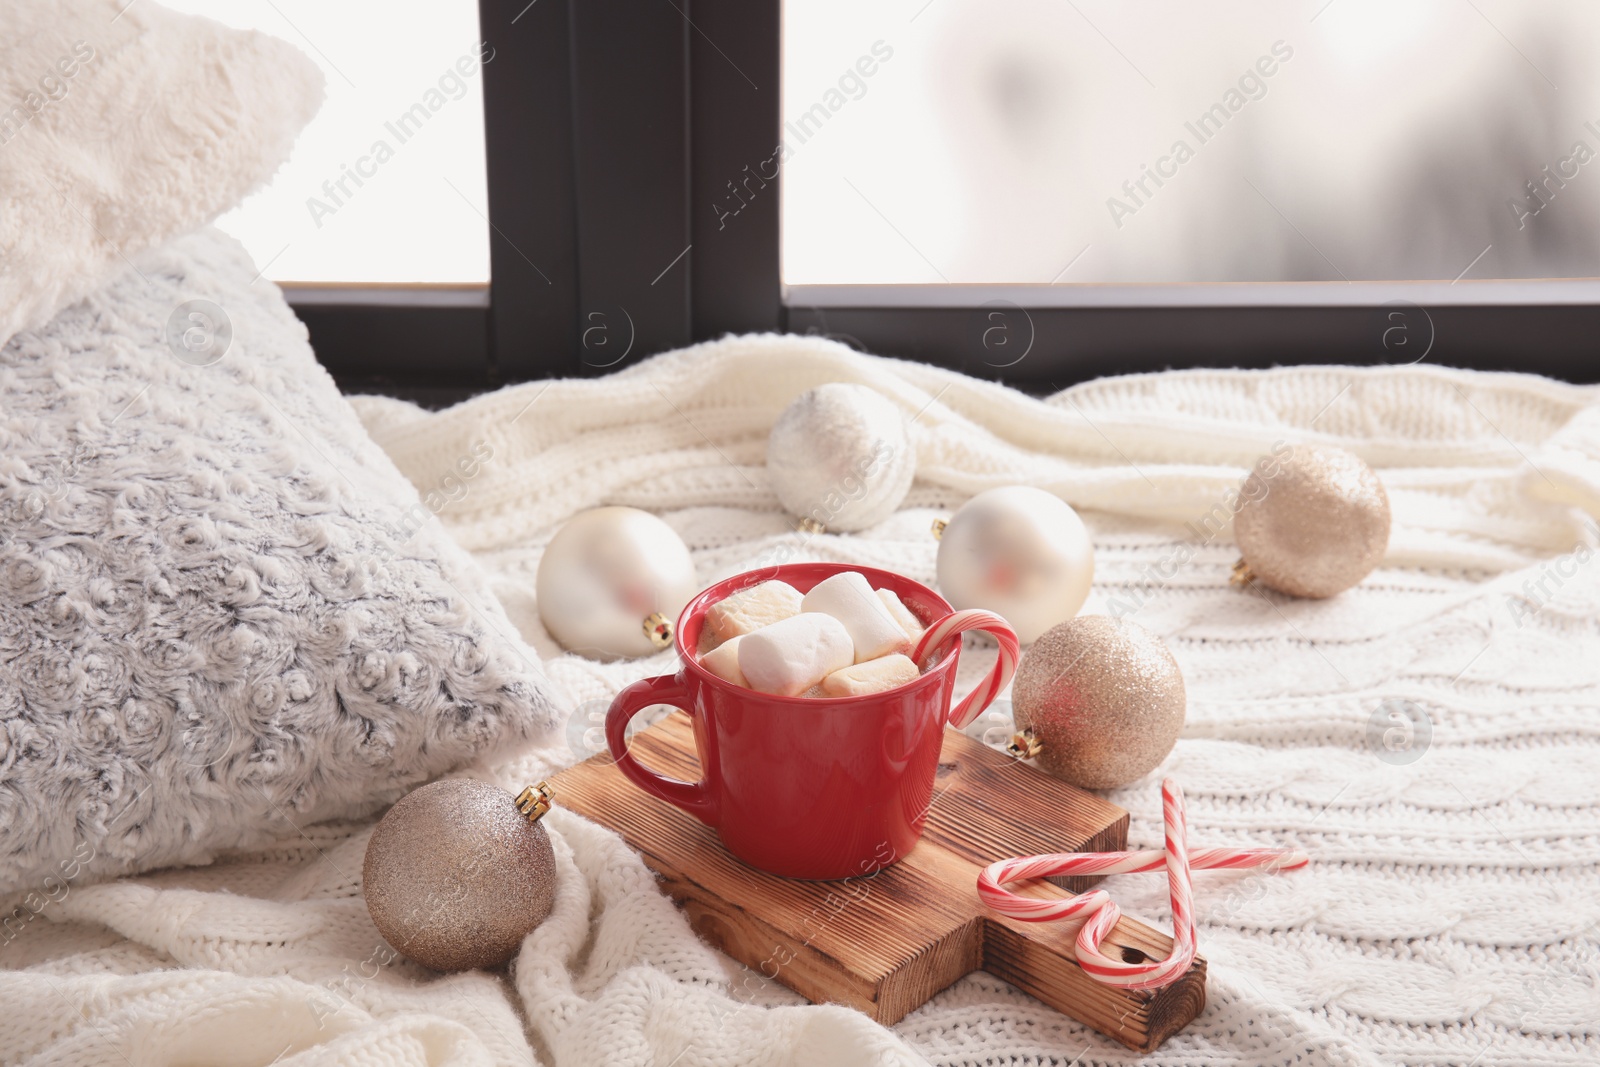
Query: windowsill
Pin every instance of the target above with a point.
(1493, 292)
(306, 294)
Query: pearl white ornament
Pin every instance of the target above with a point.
(839, 457)
(612, 582)
(1019, 552)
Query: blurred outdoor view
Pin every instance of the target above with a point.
(387, 184)
(1094, 141)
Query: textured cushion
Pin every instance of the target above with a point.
(223, 611)
(121, 125)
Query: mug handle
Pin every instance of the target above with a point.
(951, 627)
(693, 797)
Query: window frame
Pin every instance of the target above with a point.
(634, 208)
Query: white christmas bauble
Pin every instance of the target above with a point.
(839, 458)
(612, 582)
(1020, 552)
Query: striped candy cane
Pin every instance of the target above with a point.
(951, 627)
(1102, 913)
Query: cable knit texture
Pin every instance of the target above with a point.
(221, 612)
(1449, 914)
(123, 124)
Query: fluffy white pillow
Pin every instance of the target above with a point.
(223, 612)
(121, 125)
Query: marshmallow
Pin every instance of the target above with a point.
(901, 614)
(873, 676)
(794, 654)
(723, 661)
(848, 598)
(748, 611)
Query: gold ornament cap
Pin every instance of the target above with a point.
(1024, 745)
(535, 800)
(658, 628)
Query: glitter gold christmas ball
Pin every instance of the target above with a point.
(1020, 552)
(612, 582)
(1102, 700)
(455, 876)
(839, 458)
(1313, 521)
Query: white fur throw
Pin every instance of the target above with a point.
(121, 125)
(224, 614)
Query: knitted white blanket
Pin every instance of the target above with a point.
(1450, 913)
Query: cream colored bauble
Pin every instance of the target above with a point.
(839, 458)
(1099, 701)
(612, 582)
(459, 871)
(1313, 520)
(1020, 552)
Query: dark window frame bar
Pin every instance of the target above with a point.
(633, 205)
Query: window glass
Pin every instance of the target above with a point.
(387, 184)
(1082, 142)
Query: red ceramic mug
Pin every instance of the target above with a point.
(807, 787)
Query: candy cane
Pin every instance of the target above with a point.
(1141, 862)
(1102, 913)
(956, 623)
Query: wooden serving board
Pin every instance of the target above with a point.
(885, 943)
